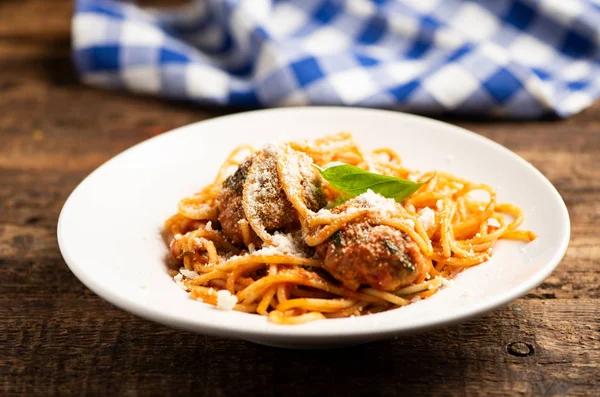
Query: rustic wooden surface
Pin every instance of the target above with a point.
(58, 338)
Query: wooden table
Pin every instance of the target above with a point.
(58, 338)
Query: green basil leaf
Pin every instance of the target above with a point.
(355, 181)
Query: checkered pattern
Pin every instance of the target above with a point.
(499, 58)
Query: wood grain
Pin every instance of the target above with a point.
(58, 338)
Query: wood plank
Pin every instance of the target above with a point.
(531, 347)
(35, 19)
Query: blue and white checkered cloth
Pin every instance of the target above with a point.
(499, 58)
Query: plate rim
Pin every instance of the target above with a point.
(168, 319)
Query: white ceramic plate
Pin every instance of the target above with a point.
(109, 230)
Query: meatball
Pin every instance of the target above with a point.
(314, 195)
(311, 188)
(379, 256)
(268, 203)
(230, 202)
(264, 195)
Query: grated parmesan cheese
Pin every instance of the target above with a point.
(177, 236)
(446, 282)
(409, 222)
(351, 210)
(188, 273)
(230, 170)
(199, 241)
(226, 301)
(179, 281)
(371, 167)
(426, 218)
(439, 205)
(282, 244)
(208, 226)
(324, 212)
(493, 222)
(413, 176)
(376, 201)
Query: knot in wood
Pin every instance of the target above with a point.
(520, 349)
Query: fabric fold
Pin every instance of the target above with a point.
(496, 58)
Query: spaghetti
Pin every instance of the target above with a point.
(270, 236)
